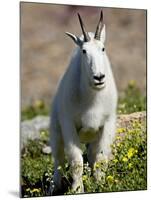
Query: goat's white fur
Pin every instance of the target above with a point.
(83, 112)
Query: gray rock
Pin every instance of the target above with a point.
(125, 120)
(30, 129)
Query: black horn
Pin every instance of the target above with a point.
(99, 27)
(85, 34)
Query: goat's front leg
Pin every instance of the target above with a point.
(74, 153)
(100, 150)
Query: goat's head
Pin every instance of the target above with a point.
(92, 53)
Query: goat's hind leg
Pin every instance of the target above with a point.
(58, 155)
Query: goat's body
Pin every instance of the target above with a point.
(82, 114)
(90, 111)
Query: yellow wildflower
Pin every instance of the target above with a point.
(118, 144)
(96, 166)
(121, 130)
(124, 159)
(84, 177)
(110, 178)
(131, 152)
(118, 137)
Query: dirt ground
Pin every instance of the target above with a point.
(46, 50)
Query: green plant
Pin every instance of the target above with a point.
(132, 100)
(128, 168)
(36, 170)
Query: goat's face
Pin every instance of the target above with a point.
(93, 63)
(92, 53)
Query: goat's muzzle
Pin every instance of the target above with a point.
(99, 79)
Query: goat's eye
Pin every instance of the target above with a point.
(84, 51)
(103, 49)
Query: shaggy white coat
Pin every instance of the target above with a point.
(83, 112)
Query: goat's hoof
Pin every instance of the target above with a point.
(77, 187)
(99, 176)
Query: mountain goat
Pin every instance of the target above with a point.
(84, 107)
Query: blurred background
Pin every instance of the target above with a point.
(46, 50)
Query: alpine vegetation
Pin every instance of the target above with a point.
(84, 108)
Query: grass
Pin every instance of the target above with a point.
(127, 170)
(38, 107)
(132, 100)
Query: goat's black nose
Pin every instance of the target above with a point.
(102, 76)
(99, 78)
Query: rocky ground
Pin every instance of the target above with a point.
(45, 50)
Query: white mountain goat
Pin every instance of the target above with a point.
(84, 107)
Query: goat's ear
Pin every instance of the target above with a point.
(75, 38)
(103, 34)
